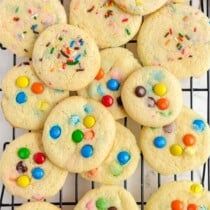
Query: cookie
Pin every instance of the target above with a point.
(21, 22)
(78, 134)
(183, 144)
(121, 162)
(116, 65)
(182, 44)
(106, 23)
(107, 197)
(27, 102)
(26, 171)
(140, 7)
(152, 96)
(65, 57)
(37, 205)
(179, 196)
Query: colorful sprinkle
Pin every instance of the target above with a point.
(87, 151)
(160, 142)
(37, 173)
(77, 136)
(55, 132)
(22, 82)
(127, 31)
(123, 157)
(21, 98)
(23, 181)
(23, 153)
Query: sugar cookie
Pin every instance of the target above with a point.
(37, 206)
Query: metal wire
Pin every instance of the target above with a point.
(206, 167)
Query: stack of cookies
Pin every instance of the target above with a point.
(79, 133)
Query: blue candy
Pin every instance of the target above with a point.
(55, 131)
(74, 119)
(160, 142)
(198, 125)
(88, 108)
(37, 173)
(21, 98)
(87, 151)
(113, 84)
(123, 157)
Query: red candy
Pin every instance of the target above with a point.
(39, 157)
(162, 103)
(107, 100)
(177, 205)
(192, 207)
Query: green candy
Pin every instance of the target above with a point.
(116, 169)
(77, 136)
(23, 153)
(102, 204)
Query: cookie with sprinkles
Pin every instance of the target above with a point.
(81, 131)
(21, 22)
(65, 57)
(116, 65)
(152, 96)
(107, 197)
(106, 23)
(179, 195)
(184, 144)
(182, 44)
(140, 7)
(121, 162)
(26, 100)
(26, 171)
(37, 205)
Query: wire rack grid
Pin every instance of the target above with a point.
(145, 180)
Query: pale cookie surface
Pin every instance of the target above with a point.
(21, 22)
(37, 206)
(152, 96)
(179, 196)
(180, 146)
(26, 171)
(121, 162)
(182, 44)
(78, 134)
(107, 197)
(106, 23)
(27, 101)
(116, 65)
(65, 57)
(140, 7)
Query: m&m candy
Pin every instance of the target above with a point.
(198, 125)
(100, 74)
(160, 142)
(140, 91)
(107, 100)
(21, 167)
(116, 169)
(176, 150)
(77, 136)
(87, 151)
(160, 89)
(101, 203)
(21, 98)
(189, 140)
(177, 205)
(37, 87)
(113, 84)
(123, 157)
(22, 81)
(89, 121)
(37, 173)
(42, 105)
(162, 103)
(196, 188)
(39, 158)
(23, 181)
(192, 207)
(23, 153)
(55, 131)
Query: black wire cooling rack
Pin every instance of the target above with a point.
(204, 5)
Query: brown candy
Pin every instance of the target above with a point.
(150, 102)
(140, 91)
(21, 167)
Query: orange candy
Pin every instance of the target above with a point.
(177, 205)
(100, 74)
(189, 140)
(37, 87)
(89, 135)
(162, 103)
(192, 207)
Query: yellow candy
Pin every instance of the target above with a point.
(176, 150)
(23, 181)
(196, 188)
(190, 151)
(160, 89)
(89, 121)
(22, 82)
(42, 105)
